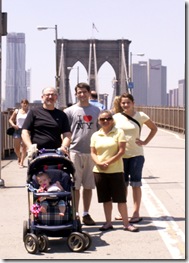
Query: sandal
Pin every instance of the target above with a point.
(131, 228)
(118, 217)
(135, 220)
(105, 228)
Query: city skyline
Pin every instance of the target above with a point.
(15, 70)
(159, 34)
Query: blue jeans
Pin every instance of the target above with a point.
(133, 170)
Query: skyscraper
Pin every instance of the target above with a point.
(156, 83)
(181, 93)
(28, 84)
(15, 69)
(140, 82)
(149, 83)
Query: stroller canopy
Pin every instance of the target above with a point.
(47, 161)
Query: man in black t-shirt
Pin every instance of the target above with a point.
(46, 126)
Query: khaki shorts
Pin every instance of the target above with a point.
(83, 164)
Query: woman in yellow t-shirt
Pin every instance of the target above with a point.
(107, 149)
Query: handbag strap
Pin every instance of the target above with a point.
(132, 119)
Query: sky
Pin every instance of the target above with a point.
(156, 28)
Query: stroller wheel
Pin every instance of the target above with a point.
(31, 243)
(76, 242)
(43, 243)
(88, 239)
(25, 229)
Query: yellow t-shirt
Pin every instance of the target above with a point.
(132, 131)
(107, 145)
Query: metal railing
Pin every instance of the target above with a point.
(7, 146)
(166, 117)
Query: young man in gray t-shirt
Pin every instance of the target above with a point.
(83, 120)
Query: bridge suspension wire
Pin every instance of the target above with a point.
(90, 58)
(61, 74)
(95, 68)
(124, 65)
(92, 53)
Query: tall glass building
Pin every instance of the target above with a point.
(150, 83)
(15, 85)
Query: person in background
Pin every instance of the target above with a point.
(46, 127)
(94, 100)
(131, 121)
(116, 105)
(107, 149)
(69, 104)
(83, 120)
(16, 121)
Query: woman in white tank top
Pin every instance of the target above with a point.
(16, 120)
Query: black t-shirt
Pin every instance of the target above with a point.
(46, 127)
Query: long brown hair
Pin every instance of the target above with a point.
(116, 105)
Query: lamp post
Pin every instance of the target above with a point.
(106, 100)
(131, 84)
(56, 52)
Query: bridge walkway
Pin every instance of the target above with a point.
(162, 230)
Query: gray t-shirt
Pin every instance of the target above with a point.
(83, 123)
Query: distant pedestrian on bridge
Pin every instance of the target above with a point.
(131, 122)
(94, 100)
(16, 120)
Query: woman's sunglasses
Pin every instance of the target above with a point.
(106, 119)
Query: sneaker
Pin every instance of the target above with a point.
(87, 220)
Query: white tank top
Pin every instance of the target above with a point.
(20, 118)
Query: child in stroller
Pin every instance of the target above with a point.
(50, 223)
(44, 181)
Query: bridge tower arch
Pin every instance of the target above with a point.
(92, 54)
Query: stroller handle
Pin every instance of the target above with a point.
(58, 151)
(53, 194)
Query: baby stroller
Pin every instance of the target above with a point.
(40, 226)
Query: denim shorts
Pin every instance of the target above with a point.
(133, 170)
(17, 134)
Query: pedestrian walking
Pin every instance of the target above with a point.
(16, 120)
(131, 121)
(83, 120)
